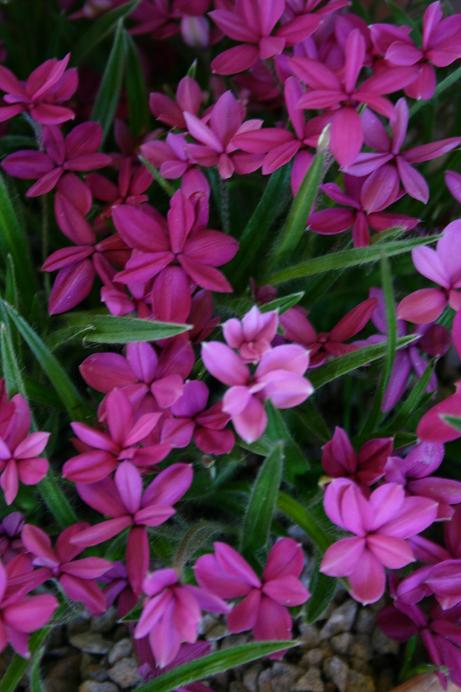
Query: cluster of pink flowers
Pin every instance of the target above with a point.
(168, 408)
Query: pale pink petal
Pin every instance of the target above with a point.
(422, 306)
(341, 558)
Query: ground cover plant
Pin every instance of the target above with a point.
(230, 305)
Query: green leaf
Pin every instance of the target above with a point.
(306, 520)
(136, 90)
(106, 329)
(345, 259)
(452, 421)
(57, 375)
(282, 304)
(217, 662)
(323, 589)
(11, 370)
(310, 418)
(35, 679)
(100, 29)
(262, 503)
(108, 95)
(356, 359)
(295, 225)
(255, 237)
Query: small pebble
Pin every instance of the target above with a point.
(361, 647)
(365, 621)
(310, 636)
(357, 682)
(341, 643)
(91, 669)
(250, 678)
(310, 682)
(121, 649)
(90, 643)
(105, 622)
(125, 673)
(93, 686)
(337, 671)
(341, 620)
(383, 644)
(313, 657)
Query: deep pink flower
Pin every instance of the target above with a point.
(252, 23)
(453, 183)
(340, 460)
(443, 267)
(265, 601)
(117, 589)
(252, 336)
(388, 150)
(76, 577)
(432, 426)
(188, 652)
(130, 507)
(42, 94)
(170, 156)
(76, 152)
(279, 377)
(10, 536)
(321, 345)
(132, 183)
(341, 96)
(162, 18)
(172, 612)
(103, 451)
(381, 525)
(189, 97)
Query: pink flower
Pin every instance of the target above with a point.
(170, 156)
(133, 182)
(278, 378)
(171, 614)
(388, 150)
(251, 336)
(265, 601)
(453, 183)
(443, 267)
(117, 589)
(252, 23)
(42, 94)
(381, 525)
(433, 428)
(103, 451)
(76, 577)
(189, 97)
(130, 507)
(339, 460)
(10, 536)
(77, 152)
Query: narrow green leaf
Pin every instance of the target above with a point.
(136, 90)
(309, 416)
(442, 86)
(35, 679)
(11, 370)
(345, 259)
(164, 184)
(305, 520)
(263, 499)
(452, 421)
(322, 590)
(99, 29)
(356, 359)
(57, 375)
(106, 329)
(217, 662)
(108, 95)
(282, 304)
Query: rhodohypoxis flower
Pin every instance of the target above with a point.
(103, 451)
(453, 182)
(433, 428)
(321, 345)
(279, 378)
(20, 460)
(132, 183)
(172, 612)
(340, 460)
(42, 94)
(188, 652)
(252, 336)
(170, 156)
(10, 536)
(265, 601)
(443, 267)
(117, 589)
(252, 23)
(76, 152)
(441, 46)
(365, 200)
(216, 138)
(173, 256)
(414, 473)
(19, 614)
(131, 507)
(388, 150)
(189, 97)
(340, 95)
(381, 525)
(76, 577)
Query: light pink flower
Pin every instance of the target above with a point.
(252, 336)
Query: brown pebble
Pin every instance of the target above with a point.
(125, 673)
(93, 686)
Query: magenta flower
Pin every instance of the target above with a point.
(189, 97)
(103, 451)
(171, 614)
(19, 614)
(216, 138)
(279, 378)
(265, 601)
(340, 95)
(117, 589)
(365, 200)
(42, 94)
(173, 257)
(432, 426)
(170, 156)
(339, 459)
(191, 419)
(20, 450)
(130, 507)
(77, 152)
(453, 183)
(10, 536)
(188, 652)
(252, 23)
(441, 46)
(76, 577)
(133, 182)
(381, 525)
(321, 345)
(252, 336)
(443, 267)
(388, 150)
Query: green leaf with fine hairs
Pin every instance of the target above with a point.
(283, 304)
(101, 28)
(346, 259)
(106, 329)
(136, 90)
(411, 403)
(217, 662)
(108, 95)
(306, 520)
(262, 503)
(323, 589)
